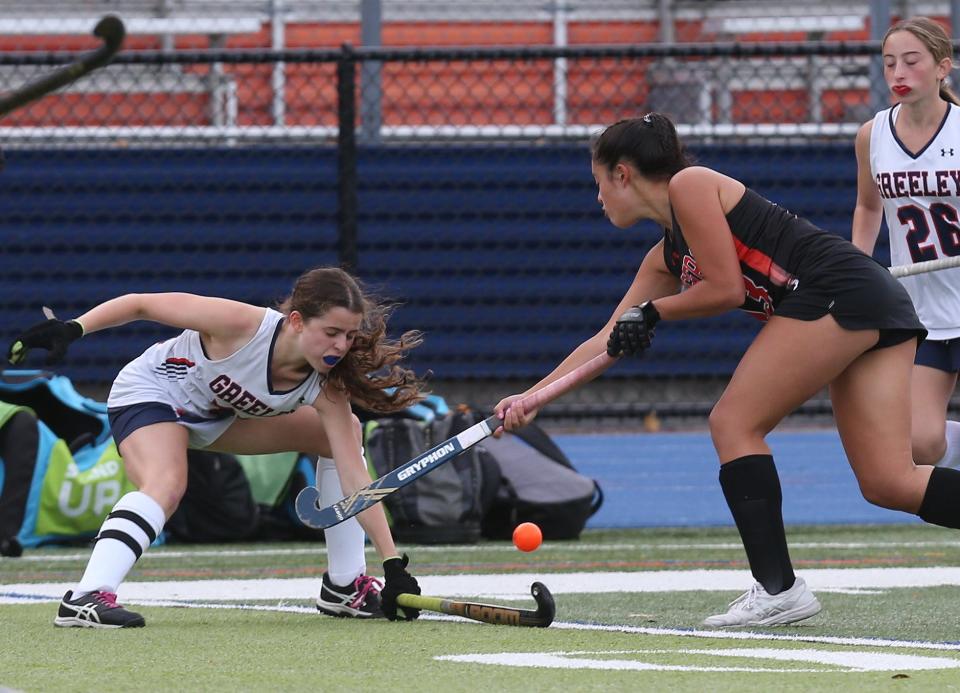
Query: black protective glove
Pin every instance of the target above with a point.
(397, 581)
(634, 331)
(53, 335)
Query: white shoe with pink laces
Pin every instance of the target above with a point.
(359, 599)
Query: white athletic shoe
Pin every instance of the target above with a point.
(757, 608)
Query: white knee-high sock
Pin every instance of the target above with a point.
(951, 458)
(345, 541)
(129, 529)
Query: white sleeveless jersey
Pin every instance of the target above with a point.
(921, 205)
(177, 372)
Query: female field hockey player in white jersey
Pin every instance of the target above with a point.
(908, 161)
(832, 317)
(246, 380)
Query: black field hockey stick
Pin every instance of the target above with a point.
(312, 515)
(110, 29)
(489, 613)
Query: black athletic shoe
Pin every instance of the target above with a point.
(359, 599)
(95, 610)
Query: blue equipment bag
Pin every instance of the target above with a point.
(59, 485)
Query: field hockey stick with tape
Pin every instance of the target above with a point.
(489, 613)
(928, 266)
(312, 515)
(109, 29)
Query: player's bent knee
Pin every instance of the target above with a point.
(889, 494)
(169, 502)
(167, 495)
(727, 429)
(928, 450)
(718, 423)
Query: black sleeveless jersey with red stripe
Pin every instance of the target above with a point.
(776, 248)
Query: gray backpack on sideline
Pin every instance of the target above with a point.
(538, 484)
(445, 506)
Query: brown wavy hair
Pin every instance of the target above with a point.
(372, 366)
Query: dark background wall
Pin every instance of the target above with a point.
(499, 254)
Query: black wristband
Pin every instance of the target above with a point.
(395, 564)
(76, 329)
(651, 316)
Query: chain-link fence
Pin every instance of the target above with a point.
(454, 180)
(184, 24)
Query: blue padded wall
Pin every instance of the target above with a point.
(499, 253)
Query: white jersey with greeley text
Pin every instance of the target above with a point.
(921, 205)
(177, 372)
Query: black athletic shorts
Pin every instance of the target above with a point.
(859, 293)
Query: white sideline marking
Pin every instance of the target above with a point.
(163, 553)
(845, 661)
(576, 660)
(13, 598)
(517, 585)
(741, 635)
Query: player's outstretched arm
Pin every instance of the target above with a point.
(229, 321)
(206, 314)
(223, 319)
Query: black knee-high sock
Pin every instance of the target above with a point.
(752, 489)
(941, 501)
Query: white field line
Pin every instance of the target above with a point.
(560, 625)
(843, 661)
(741, 635)
(162, 553)
(510, 585)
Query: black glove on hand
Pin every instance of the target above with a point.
(397, 581)
(53, 335)
(633, 331)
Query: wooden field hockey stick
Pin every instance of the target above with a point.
(110, 29)
(489, 613)
(921, 267)
(312, 515)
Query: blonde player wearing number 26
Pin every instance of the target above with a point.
(908, 170)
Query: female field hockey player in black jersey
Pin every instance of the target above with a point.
(918, 139)
(243, 379)
(833, 317)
